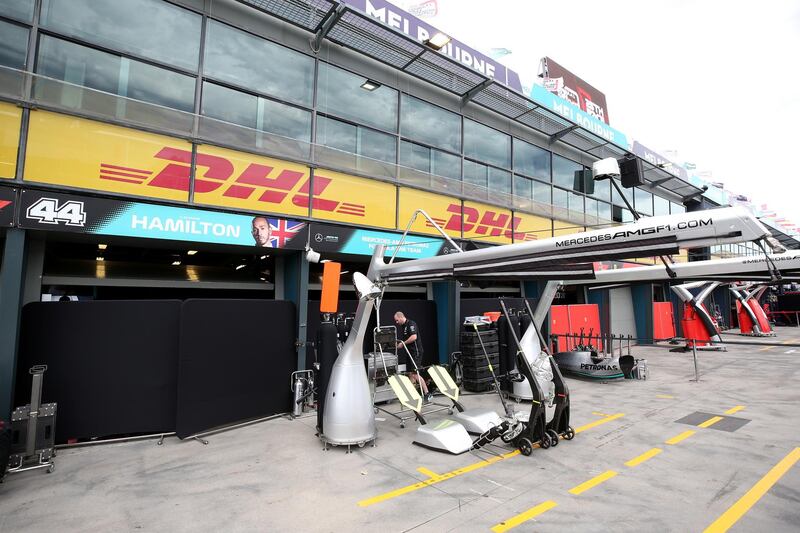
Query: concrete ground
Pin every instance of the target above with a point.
(632, 466)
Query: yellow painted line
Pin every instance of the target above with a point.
(649, 454)
(743, 504)
(683, 436)
(710, 422)
(524, 517)
(430, 473)
(434, 480)
(733, 410)
(595, 413)
(596, 423)
(586, 485)
(438, 478)
(665, 396)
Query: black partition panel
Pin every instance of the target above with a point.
(236, 359)
(111, 365)
(423, 312)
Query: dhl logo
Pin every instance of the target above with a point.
(488, 223)
(214, 173)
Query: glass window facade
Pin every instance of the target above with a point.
(80, 65)
(542, 192)
(531, 160)
(560, 198)
(604, 211)
(660, 206)
(340, 93)
(602, 190)
(17, 9)
(523, 187)
(564, 171)
(356, 139)
(430, 160)
(476, 174)
(14, 49)
(486, 144)
(430, 124)
(148, 28)
(242, 59)
(644, 201)
(499, 181)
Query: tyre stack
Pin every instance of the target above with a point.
(477, 375)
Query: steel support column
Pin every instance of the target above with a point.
(11, 283)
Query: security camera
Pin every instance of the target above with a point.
(605, 168)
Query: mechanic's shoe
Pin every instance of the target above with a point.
(428, 398)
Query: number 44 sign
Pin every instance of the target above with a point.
(51, 211)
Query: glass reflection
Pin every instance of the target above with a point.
(251, 62)
(15, 45)
(486, 144)
(149, 28)
(531, 160)
(340, 93)
(564, 171)
(430, 124)
(106, 72)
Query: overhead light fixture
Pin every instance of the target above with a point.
(102, 246)
(176, 263)
(239, 267)
(99, 258)
(263, 257)
(438, 41)
(191, 252)
(370, 85)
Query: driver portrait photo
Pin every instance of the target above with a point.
(262, 233)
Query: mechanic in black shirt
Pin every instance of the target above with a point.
(409, 339)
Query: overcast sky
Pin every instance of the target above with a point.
(718, 81)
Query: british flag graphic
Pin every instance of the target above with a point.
(283, 231)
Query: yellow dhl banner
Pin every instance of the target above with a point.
(483, 222)
(445, 211)
(565, 228)
(346, 198)
(76, 152)
(530, 227)
(249, 182)
(10, 118)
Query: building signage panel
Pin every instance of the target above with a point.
(531, 227)
(561, 107)
(76, 152)
(8, 197)
(47, 210)
(405, 22)
(249, 182)
(654, 158)
(575, 90)
(329, 238)
(483, 222)
(445, 211)
(345, 198)
(10, 118)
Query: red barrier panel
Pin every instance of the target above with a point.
(559, 325)
(570, 319)
(663, 320)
